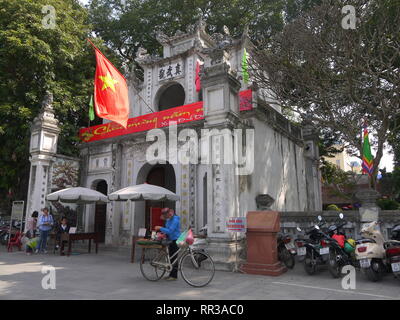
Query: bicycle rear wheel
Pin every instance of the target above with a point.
(197, 268)
(153, 263)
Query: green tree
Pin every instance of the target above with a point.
(35, 59)
(338, 77)
(126, 25)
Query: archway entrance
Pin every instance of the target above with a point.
(100, 216)
(171, 96)
(162, 175)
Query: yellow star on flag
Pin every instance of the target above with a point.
(108, 82)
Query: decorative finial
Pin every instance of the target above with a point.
(226, 30)
(47, 100)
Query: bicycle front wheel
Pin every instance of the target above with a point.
(153, 263)
(197, 268)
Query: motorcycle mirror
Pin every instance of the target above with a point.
(319, 218)
(341, 216)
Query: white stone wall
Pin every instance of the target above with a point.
(276, 160)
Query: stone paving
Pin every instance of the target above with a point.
(110, 275)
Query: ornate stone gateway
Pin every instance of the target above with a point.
(219, 150)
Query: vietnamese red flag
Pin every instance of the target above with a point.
(110, 91)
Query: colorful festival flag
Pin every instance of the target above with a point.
(91, 110)
(111, 99)
(367, 159)
(197, 80)
(245, 71)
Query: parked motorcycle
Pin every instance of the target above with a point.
(341, 250)
(317, 249)
(393, 251)
(286, 250)
(371, 252)
(5, 231)
(4, 234)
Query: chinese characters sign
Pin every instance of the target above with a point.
(170, 71)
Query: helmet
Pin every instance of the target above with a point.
(352, 242)
(350, 246)
(396, 233)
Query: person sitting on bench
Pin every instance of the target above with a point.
(63, 229)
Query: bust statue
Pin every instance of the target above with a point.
(264, 202)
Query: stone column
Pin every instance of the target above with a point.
(114, 215)
(43, 148)
(221, 109)
(313, 174)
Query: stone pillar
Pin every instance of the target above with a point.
(221, 109)
(115, 212)
(313, 174)
(43, 148)
(369, 210)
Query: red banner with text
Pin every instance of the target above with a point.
(186, 113)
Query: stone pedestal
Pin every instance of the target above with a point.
(369, 211)
(262, 250)
(223, 252)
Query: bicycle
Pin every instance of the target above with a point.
(195, 265)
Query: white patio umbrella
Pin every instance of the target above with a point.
(143, 192)
(78, 195)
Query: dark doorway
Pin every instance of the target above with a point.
(162, 176)
(100, 215)
(172, 96)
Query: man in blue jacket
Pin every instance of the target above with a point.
(173, 230)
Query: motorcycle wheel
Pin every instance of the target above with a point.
(309, 266)
(4, 239)
(286, 257)
(333, 266)
(373, 275)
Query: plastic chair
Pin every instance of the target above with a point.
(15, 241)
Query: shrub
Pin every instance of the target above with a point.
(388, 204)
(333, 207)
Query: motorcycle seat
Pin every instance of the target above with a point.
(391, 243)
(362, 241)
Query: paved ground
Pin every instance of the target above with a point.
(111, 276)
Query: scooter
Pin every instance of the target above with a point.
(370, 251)
(341, 250)
(393, 251)
(317, 250)
(286, 250)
